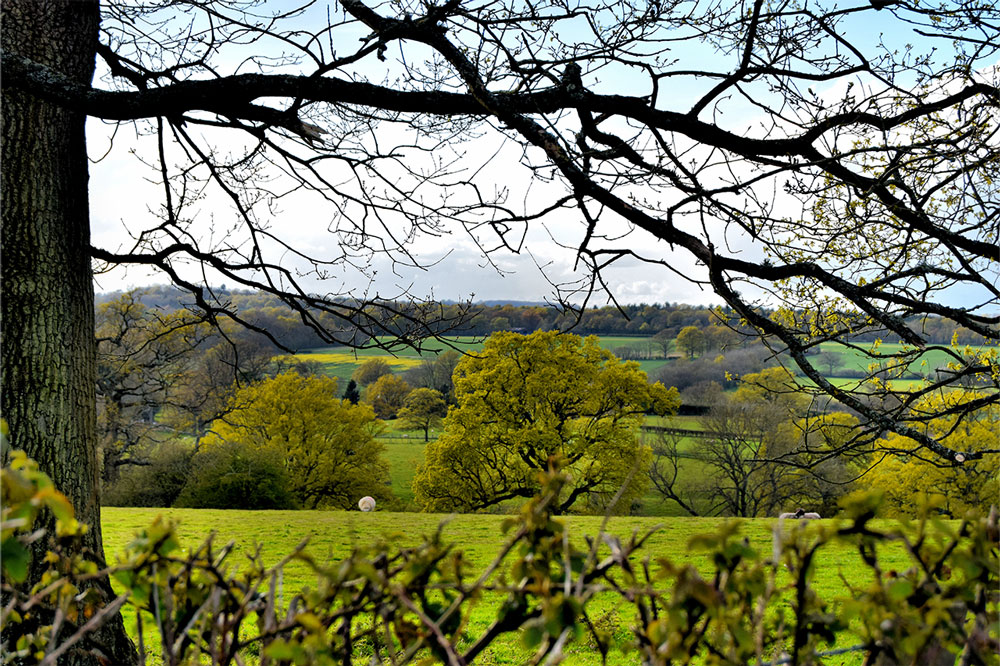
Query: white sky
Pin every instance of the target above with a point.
(122, 197)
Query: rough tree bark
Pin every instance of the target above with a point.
(49, 355)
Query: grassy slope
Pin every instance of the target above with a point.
(333, 534)
(341, 362)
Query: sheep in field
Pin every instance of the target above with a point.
(800, 514)
(778, 537)
(366, 503)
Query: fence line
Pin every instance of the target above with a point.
(830, 653)
(684, 432)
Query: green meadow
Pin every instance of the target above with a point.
(341, 362)
(852, 360)
(333, 534)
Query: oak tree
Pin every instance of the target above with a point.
(423, 409)
(664, 340)
(370, 371)
(328, 445)
(140, 356)
(387, 396)
(908, 477)
(744, 432)
(527, 400)
(691, 341)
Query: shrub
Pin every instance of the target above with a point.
(156, 484)
(234, 475)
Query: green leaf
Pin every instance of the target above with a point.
(57, 503)
(281, 650)
(15, 560)
(310, 622)
(533, 634)
(900, 589)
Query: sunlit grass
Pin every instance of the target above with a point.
(856, 360)
(334, 534)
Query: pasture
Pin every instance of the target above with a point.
(333, 534)
(840, 364)
(340, 362)
(850, 360)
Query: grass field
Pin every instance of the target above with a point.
(851, 360)
(333, 534)
(340, 362)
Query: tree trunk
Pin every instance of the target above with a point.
(48, 349)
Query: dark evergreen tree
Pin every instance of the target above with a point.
(351, 393)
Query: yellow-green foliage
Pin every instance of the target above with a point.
(371, 370)
(525, 400)
(328, 444)
(387, 396)
(954, 488)
(726, 600)
(396, 362)
(423, 410)
(63, 592)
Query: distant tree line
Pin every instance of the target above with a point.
(668, 320)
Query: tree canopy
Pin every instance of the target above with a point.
(387, 395)
(527, 400)
(423, 409)
(908, 477)
(328, 445)
(882, 156)
(370, 371)
(691, 340)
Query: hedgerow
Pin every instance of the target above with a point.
(392, 605)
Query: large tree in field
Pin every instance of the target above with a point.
(327, 444)
(525, 402)
(795, 159)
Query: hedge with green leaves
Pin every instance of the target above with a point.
(411, 605)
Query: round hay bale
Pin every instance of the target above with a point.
(366, 503)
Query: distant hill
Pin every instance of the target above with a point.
(516, 304)
(522, 316)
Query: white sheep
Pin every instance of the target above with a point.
(366, 503)
(778, 536)
(800, 514)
